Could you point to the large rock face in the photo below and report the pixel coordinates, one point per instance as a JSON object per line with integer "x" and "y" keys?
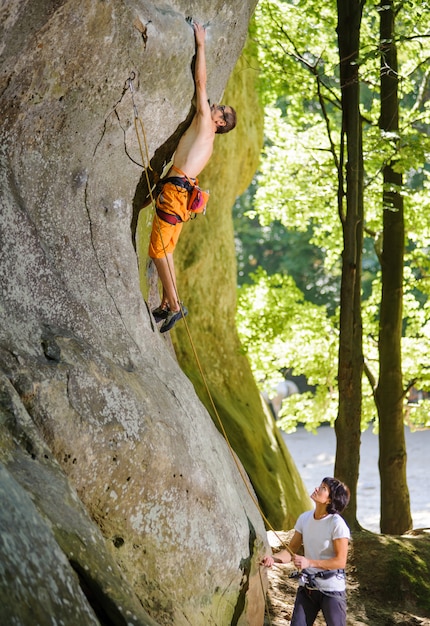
{"x": 120, "y": 498}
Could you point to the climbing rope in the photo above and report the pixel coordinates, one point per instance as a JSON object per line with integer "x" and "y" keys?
{"x": 138, "y": 124}
{"x": 266, "y": 604}
{"x": 147, "y": 166}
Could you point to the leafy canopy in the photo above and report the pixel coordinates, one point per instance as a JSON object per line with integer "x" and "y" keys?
{"x": 295, "y": 191}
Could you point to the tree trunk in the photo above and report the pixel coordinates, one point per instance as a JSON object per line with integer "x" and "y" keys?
{"x": 350, "y": 367}
{"x": 395, "y": 504}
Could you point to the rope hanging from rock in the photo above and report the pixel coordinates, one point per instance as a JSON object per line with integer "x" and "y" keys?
{"x": 139, "y": 124}
{"x": 147, "y": 166}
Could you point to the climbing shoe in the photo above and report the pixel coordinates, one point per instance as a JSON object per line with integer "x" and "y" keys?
{"x": 159, "y": 314}
{"x": 172, "y": 318}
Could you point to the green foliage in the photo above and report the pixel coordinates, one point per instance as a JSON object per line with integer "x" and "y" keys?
{"x": 295, "y": 192}
{"x": 281, "y": 329}
{"x": 277, "y": 249}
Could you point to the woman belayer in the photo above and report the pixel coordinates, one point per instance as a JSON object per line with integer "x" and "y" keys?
{"x": 324, "y": 535}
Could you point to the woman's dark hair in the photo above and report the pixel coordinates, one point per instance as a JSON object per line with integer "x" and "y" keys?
{"x": 229, "y": 115}
{"x": 339, "y": 495}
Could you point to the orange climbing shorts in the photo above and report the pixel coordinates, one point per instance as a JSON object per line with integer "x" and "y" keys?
{"x": 164, "y": 236}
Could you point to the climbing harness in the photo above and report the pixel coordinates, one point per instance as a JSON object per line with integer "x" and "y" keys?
{"x": 170, "y": 218}
{"x": 309, "y": 579}
{"x": 146, "y": 165}
{"x": 198, "y": 197}
{"x": 196, "y": 203}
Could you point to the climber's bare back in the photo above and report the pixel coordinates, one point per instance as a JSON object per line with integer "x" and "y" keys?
{"x": 196, "y": 145}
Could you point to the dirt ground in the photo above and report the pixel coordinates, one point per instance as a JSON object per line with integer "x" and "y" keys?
{"x": 388, "y": 582}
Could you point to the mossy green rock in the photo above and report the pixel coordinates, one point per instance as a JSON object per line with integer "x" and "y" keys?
{"x": 206, "y": 267}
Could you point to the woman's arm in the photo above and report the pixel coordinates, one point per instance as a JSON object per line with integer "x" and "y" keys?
{"x": 337, "y": 562}
{"x": 284, "y": 556}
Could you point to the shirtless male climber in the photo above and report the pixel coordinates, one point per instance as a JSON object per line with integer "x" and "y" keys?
{"x": 193, "y": 152}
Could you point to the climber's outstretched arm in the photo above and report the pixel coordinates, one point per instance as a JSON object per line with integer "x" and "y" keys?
{"x": 200, "y": 74}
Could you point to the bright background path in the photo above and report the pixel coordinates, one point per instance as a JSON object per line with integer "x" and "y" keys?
{"x": 314, "y": 456}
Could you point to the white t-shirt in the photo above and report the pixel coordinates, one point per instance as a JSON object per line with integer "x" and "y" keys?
{"x": 317, "y": 536}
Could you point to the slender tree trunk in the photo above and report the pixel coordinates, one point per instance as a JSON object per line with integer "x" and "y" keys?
{"x": 395, "y": 504}
{"x": 350, "y": 367}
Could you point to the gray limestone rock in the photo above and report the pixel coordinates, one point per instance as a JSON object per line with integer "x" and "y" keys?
{"x": 120, "y": 492}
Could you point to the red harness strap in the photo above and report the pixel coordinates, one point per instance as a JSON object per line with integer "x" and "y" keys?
{"x": 170, "y": 218}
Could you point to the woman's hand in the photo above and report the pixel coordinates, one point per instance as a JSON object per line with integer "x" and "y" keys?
{"x": 301, "y": 562}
